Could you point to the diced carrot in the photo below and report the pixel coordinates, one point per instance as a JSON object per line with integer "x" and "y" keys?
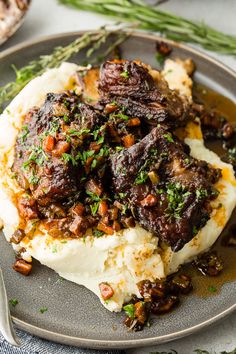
{"x": 61, "y": 148}
{"x": 78, "y": 209}
{"x": 128, "y": 140}
{"x": 106, "y": 291}
{"x": 49, "y": 143}
{"x": 109, "y": 108}
{"x": 116, "y": 225}
{"x": 21, "y": 266}
{"x": 149, "y": 201}
{"x": 88, "y": 164}
{"x": 103, "y": 208}
{"x": 94, "y": 146}
{"x": 134, "y": 122}
{"x": 107, "y": 229}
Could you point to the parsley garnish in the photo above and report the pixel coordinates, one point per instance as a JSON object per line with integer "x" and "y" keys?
{"x": 24, "y": 134}
{"x": 43, "y": 309}
{"x": 129, "y": 310}
{"x": 98, "y": 233}
{"x": 13, "y": 302}
{"x": 212, "y": 289}
{"x": 96, "y": 199}
{"x": 176, "y": 196}
{"x": 37, "y": 156}
{"x": 201, "y": 193}
{"x": 33, "y": 179}
{"x": 141, "y": 178}
{"x": 74, "y": 132}
{"x": 54, "y": 249}
{"x": 121, "y": 116}
{"x": 125, "y": 74}
{"x": 69, "y": 158}
{"x": 160, "y": 58}
{"x": 168, "y": 137}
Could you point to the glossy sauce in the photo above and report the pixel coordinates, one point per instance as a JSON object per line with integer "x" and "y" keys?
{"x": 205, "y": 285}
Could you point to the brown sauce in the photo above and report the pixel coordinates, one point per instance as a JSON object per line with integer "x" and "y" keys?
{"x": 205, "y": 285}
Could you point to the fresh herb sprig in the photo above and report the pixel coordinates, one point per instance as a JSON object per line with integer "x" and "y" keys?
{"x": 152, "y": 18}
{"x": 91, "y": 40}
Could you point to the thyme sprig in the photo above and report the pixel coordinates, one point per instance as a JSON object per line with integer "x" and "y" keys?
{"x": 152, "y": 18}
{"x": 91, "y": 40}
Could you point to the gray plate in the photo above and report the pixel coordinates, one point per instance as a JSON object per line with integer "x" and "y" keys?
{"x": 75, "y": 316}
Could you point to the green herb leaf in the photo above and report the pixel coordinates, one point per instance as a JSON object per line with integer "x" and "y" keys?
{"x": 13, "y": 302}
{"x": 160, "y": 58}
{"x": 129, "y": 310}
{"x": 141, "y": 178}
{"x": 69, "y": 158}
{"x": 43, "y": 309}
{"x": 98, "y": 233}
{"x": 93, "y": 40}
{"x": 125, "y": 74}
{"x": 212, "y": 289}
{"x": 152, "y": 18}
{"x": 168, "y": 137}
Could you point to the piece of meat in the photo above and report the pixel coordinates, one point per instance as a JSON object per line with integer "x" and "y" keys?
{"x": 46, "y": 160}
{"x": 134, "y": 90}
{"x": 167, "y": 190}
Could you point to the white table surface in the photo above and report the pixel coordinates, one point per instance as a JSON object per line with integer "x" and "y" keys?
{"x": 47, "y": 17}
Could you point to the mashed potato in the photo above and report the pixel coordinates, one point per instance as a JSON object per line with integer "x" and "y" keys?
{"x": 128, "y": 256}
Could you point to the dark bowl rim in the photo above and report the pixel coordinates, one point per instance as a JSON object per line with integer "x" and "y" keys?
{"x": 114, "y": 344}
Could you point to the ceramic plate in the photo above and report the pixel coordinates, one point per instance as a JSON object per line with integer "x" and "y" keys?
{"x": 75, "y": 315}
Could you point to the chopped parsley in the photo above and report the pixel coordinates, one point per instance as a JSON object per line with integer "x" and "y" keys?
{"x": 212, "y": 289}
{"x": 66, "y": 119}
{"x": 83, "y": 156}
{"x": 33, "y": 179}
{"x": 98, "y": 233}
{"x": 160, "y": 58}
{"x": 129, "y": 310}
{"x": 168, "y": 137}
{"x": 121, "y": 195}
{"x": 43, "y": 309}
{"x": 201, "y": 194}
{"x": 13, "y": 302}
{"x": 69, "y": 158}
{"x": 74, "y": 132}
{"x": 37, "y": 156}
{"x": 96, "y": 200}
{"x": 54, "y": 249}
{"x": 176, "y": 196}
{"x": 25, "y": 133}
{"x": 125, "y": 74}
{"x": 141, "y": 177}
{"x": 94, "y": 208}
{"x": 121, "y": 116}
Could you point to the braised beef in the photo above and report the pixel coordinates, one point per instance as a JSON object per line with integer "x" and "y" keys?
{"x": 133, "y": 89}
{"x": 48, "y": 167}
{"x": 103, "y": 167}
{"x": 174, "y": 206}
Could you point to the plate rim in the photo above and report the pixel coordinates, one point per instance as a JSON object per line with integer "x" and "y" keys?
{"x": 122, "y": 344}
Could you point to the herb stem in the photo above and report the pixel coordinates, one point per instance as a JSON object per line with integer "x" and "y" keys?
{"x": 91, "y": 40}
{"x": 152, "y": 18}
